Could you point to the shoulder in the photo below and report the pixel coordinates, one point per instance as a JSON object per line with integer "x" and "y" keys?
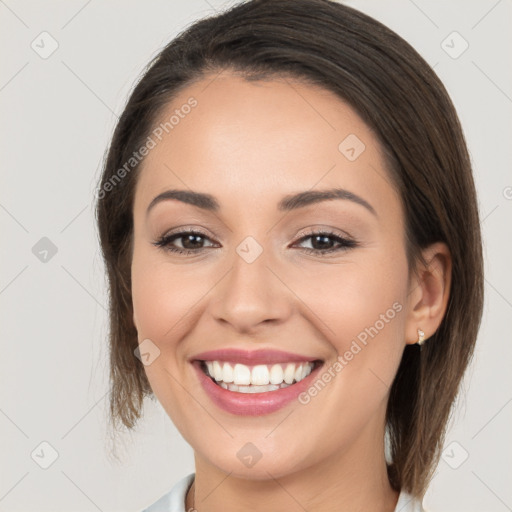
{"x": 408, "y": 503}
{"x": 174, "y": 500}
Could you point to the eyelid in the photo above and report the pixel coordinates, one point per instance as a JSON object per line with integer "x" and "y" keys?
{"x": 323, "y": 229}
{"x": 187, "y": 229}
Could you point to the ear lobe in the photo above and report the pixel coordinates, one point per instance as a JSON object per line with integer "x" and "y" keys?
{"x": 429, "y": 292}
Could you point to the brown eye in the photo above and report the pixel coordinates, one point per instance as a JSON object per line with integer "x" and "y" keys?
{"x": 191, "y": 242}
{"x": 322, "y": 243}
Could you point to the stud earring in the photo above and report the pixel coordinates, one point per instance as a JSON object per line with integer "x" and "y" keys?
{"x": 421, "y": 337}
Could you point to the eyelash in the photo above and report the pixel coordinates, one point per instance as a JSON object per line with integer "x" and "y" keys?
{"x": 165, "y": 241}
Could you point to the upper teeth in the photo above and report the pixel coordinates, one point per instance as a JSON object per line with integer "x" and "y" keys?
{"x": 259, "y": 375}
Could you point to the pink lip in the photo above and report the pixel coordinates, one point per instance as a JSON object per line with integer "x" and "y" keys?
{"x": 252, "y": 404}
{"x": 251, "y": 357}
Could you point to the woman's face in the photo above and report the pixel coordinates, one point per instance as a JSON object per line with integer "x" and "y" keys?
{"x": 256, "y": 281}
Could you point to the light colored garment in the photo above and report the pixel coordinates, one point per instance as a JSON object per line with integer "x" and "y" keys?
{"x": 174, "y": 500}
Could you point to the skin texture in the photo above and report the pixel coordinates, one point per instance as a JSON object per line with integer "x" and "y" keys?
{"x": 249, "y": 144}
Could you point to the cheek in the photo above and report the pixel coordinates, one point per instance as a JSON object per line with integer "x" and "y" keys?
{"x": 360, "y": 307}
{"x": 359, "y": 298}
{"x": 159, "y": 305}
{"x": 162, "y": 295}
{"x": 162, "y": 300}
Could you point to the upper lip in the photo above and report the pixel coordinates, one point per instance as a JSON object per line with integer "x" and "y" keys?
{"x": 251, "y": 357}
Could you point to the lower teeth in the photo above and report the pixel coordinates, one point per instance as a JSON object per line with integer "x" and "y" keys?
{"x": 252, "y": 388}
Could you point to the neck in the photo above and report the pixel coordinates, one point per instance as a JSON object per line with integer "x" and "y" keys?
{"x": 354, "y": 479}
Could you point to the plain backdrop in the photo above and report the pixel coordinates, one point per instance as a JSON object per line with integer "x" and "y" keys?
{"x": 58, "y": 111}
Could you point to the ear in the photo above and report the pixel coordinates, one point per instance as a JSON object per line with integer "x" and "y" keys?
{"x": 429, "y": 291}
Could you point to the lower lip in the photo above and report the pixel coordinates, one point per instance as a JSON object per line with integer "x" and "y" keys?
{"x": 252, "y": 404}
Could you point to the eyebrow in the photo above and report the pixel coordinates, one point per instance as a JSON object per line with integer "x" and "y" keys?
{"x": 290, "y": 202}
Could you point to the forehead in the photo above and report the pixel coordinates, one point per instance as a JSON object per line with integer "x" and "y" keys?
{"x": 252, "y": 142}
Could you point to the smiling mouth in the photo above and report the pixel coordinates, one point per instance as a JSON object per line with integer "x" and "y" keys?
{"x": 260, "y": 378}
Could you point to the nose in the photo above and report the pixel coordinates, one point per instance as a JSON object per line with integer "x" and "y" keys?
{"x": 251, "y": 295}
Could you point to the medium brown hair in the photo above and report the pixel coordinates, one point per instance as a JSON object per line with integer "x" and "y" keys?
{"x": 399, "y": 96}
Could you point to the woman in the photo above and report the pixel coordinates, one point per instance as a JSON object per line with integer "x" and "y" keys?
{"x": 290, "y": 229}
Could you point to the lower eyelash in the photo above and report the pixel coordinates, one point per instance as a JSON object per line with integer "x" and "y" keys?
{"x": 165, "y": 243}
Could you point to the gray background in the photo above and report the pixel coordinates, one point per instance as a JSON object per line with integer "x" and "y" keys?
{"x": 57, "y": 116}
